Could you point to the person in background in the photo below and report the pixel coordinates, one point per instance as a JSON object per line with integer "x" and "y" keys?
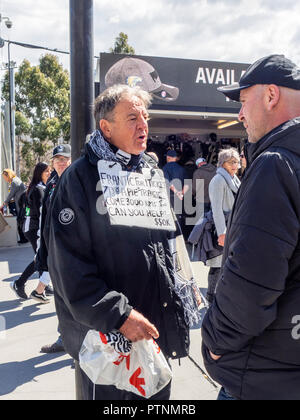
{"x": 175, "y": 175}
{"x": 243, "y": 162}
{"x": 34, "y": 198}
{"x": 222, "y": 192}
{"x": 16, "y": 190}
{"x": 61, "y": 160}
{"x": 250, "y": 335}
{"x": 201, "y": 179}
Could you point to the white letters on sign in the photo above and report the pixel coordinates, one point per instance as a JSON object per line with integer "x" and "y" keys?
{"x": 217, "y": 76}
{"x": 135, "y": 199}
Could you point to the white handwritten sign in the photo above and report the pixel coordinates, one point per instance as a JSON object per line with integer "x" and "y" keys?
{"x": 135, "y": 199}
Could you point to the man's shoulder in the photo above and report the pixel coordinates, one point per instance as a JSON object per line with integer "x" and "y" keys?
{"x": 80, "y": 168}
{"x": 278, "y": 158}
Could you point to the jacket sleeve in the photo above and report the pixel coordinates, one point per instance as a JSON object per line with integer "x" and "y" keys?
{"x": 13, "y": 190}
{"x": 71, "y": 259}
{"x": 167, "y": 174}
{"x": 216, "y": 196}
{"x": 35, "y": 201}
{"x": 41, "y": 263}
{"x": 263, "y": 235}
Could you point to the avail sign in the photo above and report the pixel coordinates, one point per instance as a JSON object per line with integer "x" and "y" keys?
{"x": 174, "y": 83}
{"x": 217, "y": 76}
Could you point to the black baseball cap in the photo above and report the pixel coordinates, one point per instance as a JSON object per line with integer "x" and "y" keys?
{"x": 62, "y": 150}
{"x": 135, "y": 72}
{"x": 274, "y": 69}
{"x": 172, "y": 153}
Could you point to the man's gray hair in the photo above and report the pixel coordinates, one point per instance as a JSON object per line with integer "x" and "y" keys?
{"x": 226, "y": 154}
{"x": 106, "y": 102}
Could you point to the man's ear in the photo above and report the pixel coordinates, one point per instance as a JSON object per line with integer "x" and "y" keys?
{"x": 273, "y": 96}
{"x": 105, "y": 128}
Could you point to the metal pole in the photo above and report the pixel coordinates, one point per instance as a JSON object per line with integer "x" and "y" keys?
{"x": 11, "y": 94}
{"x": 81, "y": 69}
{"x": 13, "y": 116}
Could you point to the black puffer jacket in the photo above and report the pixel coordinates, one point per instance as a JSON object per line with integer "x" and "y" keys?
{"x": 252, "y": 321}
{"x": 100, "y": 272}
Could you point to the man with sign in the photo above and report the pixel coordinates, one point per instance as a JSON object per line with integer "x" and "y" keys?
{"x": 111, "y": 258}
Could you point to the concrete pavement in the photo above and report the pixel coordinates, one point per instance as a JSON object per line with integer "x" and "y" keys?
{"x": 27, "y": 374}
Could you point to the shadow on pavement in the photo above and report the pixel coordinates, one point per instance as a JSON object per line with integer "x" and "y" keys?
{"x": 21, "y": 316}
{"x": 17, "y": 258}
{"x": 15, "y": 374}
{"x": 34, "y": 276}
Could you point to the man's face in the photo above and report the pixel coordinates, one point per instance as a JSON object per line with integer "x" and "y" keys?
{"x": 128, "y": 129}
{"x": 253, "y": 113}
{"x": 60, "y": 163}
{"x": 171, "y": 159}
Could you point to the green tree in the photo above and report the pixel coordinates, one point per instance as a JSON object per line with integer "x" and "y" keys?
{"x": 121, "y": 45}
{"x": 42, "y": 99}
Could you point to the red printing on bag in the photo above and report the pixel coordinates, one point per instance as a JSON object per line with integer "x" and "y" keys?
{"x": 137, "y": 382}
{"x": 120, "y": 360}
{"x": 156, "y": 346}
{"x": 134, "y": 379}
{"x": 103, "y": 337}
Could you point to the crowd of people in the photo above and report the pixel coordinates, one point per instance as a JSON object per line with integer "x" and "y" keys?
{"x": 114, "y": 272}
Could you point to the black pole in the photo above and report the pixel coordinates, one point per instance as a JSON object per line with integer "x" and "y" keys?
{"x": 81, "y": 69}
{"x": 10, "y": 110}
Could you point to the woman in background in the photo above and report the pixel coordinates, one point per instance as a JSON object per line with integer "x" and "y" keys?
{"x": 16, "y": 190}
{"x": 34, "y": 198}
{"x": 222, "y": 191}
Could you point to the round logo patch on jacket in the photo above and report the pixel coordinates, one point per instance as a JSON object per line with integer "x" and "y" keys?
{"x": 66, "y": 216}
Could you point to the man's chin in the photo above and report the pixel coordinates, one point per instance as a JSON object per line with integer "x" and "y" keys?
{"x": 139, "y": 150}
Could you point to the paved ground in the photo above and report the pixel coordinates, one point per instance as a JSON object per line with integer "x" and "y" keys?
{"x": 27, "y": 374}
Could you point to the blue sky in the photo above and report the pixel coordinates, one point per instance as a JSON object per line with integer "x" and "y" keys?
{"x": 221, "y": 30}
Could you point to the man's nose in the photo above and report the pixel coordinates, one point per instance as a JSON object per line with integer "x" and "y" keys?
{"x": 143, "y": 122}
{"x": 241, "y": 115}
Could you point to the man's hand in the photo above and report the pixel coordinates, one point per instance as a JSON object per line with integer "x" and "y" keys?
{"x": 221, "y": 240}
{"x": 214, "y": 356}
{"x": 137, "y": 327}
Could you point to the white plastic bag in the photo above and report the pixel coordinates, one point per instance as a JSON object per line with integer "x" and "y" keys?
{"x": 111, "y": 359}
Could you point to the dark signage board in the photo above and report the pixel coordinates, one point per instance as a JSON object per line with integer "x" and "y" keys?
{"x": 176, "y": 84}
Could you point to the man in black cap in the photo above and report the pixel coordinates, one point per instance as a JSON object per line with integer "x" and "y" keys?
{"x": 251, "y": 344}
{"x": 61, "y": 160}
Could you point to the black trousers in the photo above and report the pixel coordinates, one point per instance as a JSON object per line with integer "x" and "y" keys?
{"x": 86, "y": 390}
{"x": 32, "y": 237}
{"x": 213, "y": 278}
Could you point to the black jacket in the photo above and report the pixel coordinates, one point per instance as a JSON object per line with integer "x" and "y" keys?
{"x": 100, "y": 272}
{"x": 33, "y": 208}
{"x": 252, "y": 320}
{"x": 41, "y": 263}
